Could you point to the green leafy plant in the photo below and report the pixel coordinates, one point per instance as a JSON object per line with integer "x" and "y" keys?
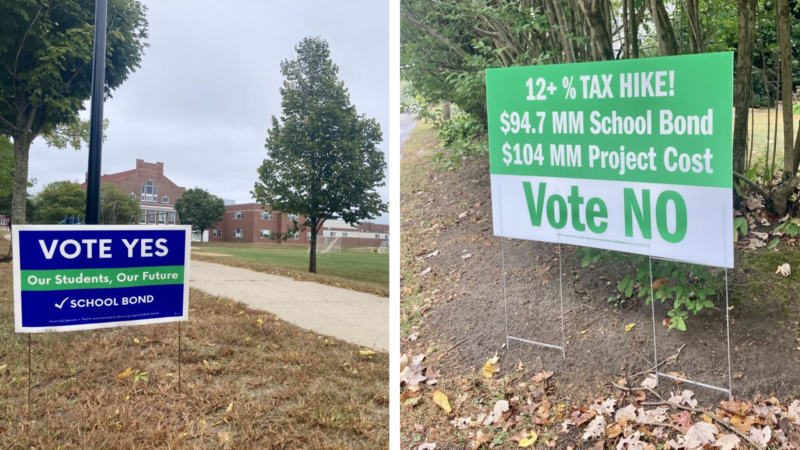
{"x": 739, "y": 226}
{"x": 790, "y": 227}
{"x": 140, "y": 376}
{"x": 687, "y": 287}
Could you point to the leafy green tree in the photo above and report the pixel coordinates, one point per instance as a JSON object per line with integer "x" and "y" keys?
{"x": 46, "y": 49}
{"x": 322, "y": 156}
{"x": 117, "y": 205}
{"x": 58, "y": 200}
{"x": 200, "y": 209}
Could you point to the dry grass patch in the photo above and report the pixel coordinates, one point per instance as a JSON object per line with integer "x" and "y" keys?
{"x": 248, "y": 380}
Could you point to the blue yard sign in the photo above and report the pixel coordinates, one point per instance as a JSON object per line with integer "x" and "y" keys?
{"x": 70, "y": 277}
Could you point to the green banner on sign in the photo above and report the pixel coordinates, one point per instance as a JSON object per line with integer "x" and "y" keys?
{"x": 630, "y": 155}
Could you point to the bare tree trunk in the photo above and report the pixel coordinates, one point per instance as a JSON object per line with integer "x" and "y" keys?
{"x": 634, "y": 22}
{"x": 593, "y": 11}
{"x": 785, "y": 44}
{"x": 777, "y": 96}
{"x": 667, "y": 45}
{"x": 312, "y": 254}
{"x": 766, "y": 90}
{"x": 693, "y": 16}
{"x": 744, "y": 81}
{"x": 19, "y": 195}
{"x": 564, "y": 30}
{"x": 446, "y": 111}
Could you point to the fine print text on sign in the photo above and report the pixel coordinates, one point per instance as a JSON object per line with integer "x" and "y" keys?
{"x": 631, "y": 155}
{"x": 69, "y": 277}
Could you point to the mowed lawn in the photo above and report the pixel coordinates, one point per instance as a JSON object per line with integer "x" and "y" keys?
{"x": 354, "y": 268}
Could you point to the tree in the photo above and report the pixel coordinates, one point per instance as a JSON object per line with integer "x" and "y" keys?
{"x": 785, "y": 44}
{"x": 58, "y": 200}
{"x": 744, "y": 80}
{"x": 200, "y": 209}
{"x": 117, "y": 205}
{"x": 46, "y": 49}
{"x": 322, "y": 156}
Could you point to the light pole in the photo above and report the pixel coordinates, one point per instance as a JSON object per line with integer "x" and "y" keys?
{"x": 96, "y": 119}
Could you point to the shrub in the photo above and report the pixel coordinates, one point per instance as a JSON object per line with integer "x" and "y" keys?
{"x": 688, "y": 287}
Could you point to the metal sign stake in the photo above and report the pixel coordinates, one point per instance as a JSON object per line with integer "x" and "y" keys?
{"x": 658, "y": 374}
{"x": 509, "y": 338}
{"x": 29, "y": 373}
{"x": 179, "y": 360}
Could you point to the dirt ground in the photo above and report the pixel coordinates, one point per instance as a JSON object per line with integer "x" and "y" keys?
{"x": 467, "y": 316}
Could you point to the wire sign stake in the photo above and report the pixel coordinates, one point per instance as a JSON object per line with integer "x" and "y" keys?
{"x": 658, "y": 374}
{"x": 509, "y": 338}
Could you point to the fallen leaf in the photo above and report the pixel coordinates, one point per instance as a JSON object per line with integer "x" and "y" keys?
{"x": 683, "y": 420}
{"x": 650, "y": 382}
{"x": 466, "y": 256}
{"x": 541, "y": 376}
{"x": 440, "y": 398}
{"x": 427, "y": 446}
{"x": 366, "y": 352}
{"x": 784, "y": 270}
{"x": 530, "y": 440}
{"x": 230, "y": 407}
{"x": 595, "y": 428}
{"x": 425, "y": 272}
{"x": 630, "y": 326}
{"x": 727, "y": 442}
{"x": 762, "y": 436}
{"x": 499, "y": 408}
{"x": 700, "y": 434}
{"x": 429, "y": 255}
{"x": 126, "y": 373}
{"x": 489, "y": 368}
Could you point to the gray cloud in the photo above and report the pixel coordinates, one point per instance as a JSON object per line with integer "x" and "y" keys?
{"x": 209, "y": 82}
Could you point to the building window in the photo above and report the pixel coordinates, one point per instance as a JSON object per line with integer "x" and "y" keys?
{"x": 266, "y": 215}
{"x": 265, "y": 234}
{"x": 333, "y": 234}
{"x": 161, "y": 218}
{"x": 377, "y": 236}
{"x": 380, "y": 230}
{"x": 165, "y": 199}
{"x": 238, "y": 214}
{"x": 295, "y": 236}
{"x": 308, "y": 236}
{"x": 237, "y": 233}
{"x": 149, "y": 192}
{"x": 171, "y": 218}
{"x": 344, "y": 234}
{"x": 143, "y": 218}
{"x": 216, "y": 233}
{"x": 293, "y": 217}
{"x": 133, "y": 195}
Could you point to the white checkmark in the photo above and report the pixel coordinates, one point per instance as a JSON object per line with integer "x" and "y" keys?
{"x": 62, "y": 303}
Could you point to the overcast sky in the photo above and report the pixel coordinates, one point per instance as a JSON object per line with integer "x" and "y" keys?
{"x": 202, "y": 101}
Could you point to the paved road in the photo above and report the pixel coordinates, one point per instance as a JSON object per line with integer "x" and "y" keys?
{"x": 348, "y": 315}
{"x": 407, "y": 124}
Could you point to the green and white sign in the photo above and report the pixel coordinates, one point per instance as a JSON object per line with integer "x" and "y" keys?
{"x": 631, "y": 155}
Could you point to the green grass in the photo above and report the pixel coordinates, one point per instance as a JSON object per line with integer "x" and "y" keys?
{"x": 355, "y": 267}
{"x": 760, "y": 137}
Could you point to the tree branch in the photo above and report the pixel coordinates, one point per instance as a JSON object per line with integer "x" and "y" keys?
{"x": 22, "y": 44}
{"x": 407, "y": 16}
{"x": 8, "y": 124}
{"x": 753, "y": 184}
